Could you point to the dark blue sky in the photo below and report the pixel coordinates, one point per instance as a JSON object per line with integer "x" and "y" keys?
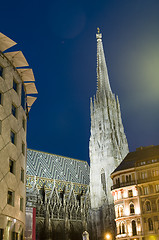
{"x": 58, "y": 41}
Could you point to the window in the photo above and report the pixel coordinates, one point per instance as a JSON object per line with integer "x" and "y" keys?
{"x": 157, "y": 187}
{"x": 118, "y": 181}
{"x": 1, "y": 98}
{"x": 15, "y": 85}
{"x": 22, "y": 175}
{"x": 130, "y": 193}
{"x": 119, "y": 228}
{"x": 1, "y": 233}
{"x": 155, "y": 172}
{"x": 11, "y": 166}
{"x": 23, "y": 123}
{"x": 148, "y": 206}
{"x": 121, "y": 211}
{"x": 128, "y": 178}
{"x": 23, "y": 98}
{"x": 143, "y": 175}
{"x": 146, "y": 190}
{"x": 134, "y": 232}
{"x": 14, "y": 236}
{"x": 150, "y": 224}
{"x": 21, "y": 204}
{"x": 23, "y": 148}
{"x": 1, "y": 71}
{"x": 132, "y": 210}
{"x": 10, "y": 198}
{"x": 116, "y": 211}
{"x": 158, "y": 207}
{"x": 103, "y": 181}
{"x": 14, "y": 110}
{"x": 13, "y": 137}
{"x": 21, "y": 235}
{"x": 123, "y": 228}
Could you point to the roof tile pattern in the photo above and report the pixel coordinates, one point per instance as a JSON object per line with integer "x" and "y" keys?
{"x": 57, "y": 167}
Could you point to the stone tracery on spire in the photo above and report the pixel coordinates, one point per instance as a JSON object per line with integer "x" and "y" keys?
{"x": 102, "y": 72}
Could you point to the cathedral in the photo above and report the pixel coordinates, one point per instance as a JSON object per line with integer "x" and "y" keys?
{"x": 65, "y": 196}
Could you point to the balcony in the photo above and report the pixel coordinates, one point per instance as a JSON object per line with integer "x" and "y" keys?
{"x": 124, "y": 184}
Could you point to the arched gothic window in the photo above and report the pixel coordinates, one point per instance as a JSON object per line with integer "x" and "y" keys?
{"x": 134, "y": 232}
{"x": 132, "y": 209}
{"x": 103, "y": 180}
{"x": 148, "y": 206}
{"x": 150, "y": 224}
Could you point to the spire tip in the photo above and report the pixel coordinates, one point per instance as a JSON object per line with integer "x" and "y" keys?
{"x": 98, "y": 35}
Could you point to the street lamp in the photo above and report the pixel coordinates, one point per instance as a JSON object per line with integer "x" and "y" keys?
{"x": 108, "y": 236}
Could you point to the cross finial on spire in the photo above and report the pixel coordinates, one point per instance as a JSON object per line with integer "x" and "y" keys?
{"x": 98, "y": 35}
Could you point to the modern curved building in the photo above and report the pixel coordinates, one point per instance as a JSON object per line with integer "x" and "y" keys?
{"x": 16, "y": 85}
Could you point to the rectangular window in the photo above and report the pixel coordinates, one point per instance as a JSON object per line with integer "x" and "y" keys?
{"x": 157, "y": 187}
{"x": 23, "y": 98}
{"x": 130, "y": 193}
{"x": 12, "y": 166}
{"x": 1, "y": 71}
{"x": 22, "y": 175}
{"x": 23, "y": 148}
{"x": 13, "y": 137}
{"x": 155, "y": 172}
{"x": 146, "y": 191}
{"x": 14, "y": 236}
{"x": 24, "y": 123}
{"x": 128, "y": 178}
{"x": 14, "y": 110}
{"x": 21, "y": 204}
{"x": 1, "y": 233}
{"x": 15, "y": 85}
{"x": 10, "y": 198}
{"x": 143, "y": 175}
{"x": 0, "y": 98}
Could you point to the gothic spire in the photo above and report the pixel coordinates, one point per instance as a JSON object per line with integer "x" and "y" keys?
{"x": 102, "y": 72}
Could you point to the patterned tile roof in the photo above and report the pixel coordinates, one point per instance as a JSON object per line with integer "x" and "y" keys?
{"x": 46, "y": 165}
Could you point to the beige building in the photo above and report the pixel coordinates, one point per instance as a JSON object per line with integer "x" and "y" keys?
{"x": 136, "y": 195}
{"x": 15, "y": 84}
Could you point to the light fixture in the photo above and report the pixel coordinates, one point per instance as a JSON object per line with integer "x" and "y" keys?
{"x": 108, "y": 236}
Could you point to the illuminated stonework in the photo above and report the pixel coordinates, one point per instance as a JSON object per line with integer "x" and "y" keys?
{"x": 136, "y": 194}
{"x": 107, "y": 147}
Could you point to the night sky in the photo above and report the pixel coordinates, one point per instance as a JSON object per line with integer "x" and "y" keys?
{"x": 59, "y": 43}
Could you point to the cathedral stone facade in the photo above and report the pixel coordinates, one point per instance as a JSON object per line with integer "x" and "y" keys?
{"x": 67, "y": 201}
{"x": 108, "y": 146}
{"x": 58, "y": 188}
